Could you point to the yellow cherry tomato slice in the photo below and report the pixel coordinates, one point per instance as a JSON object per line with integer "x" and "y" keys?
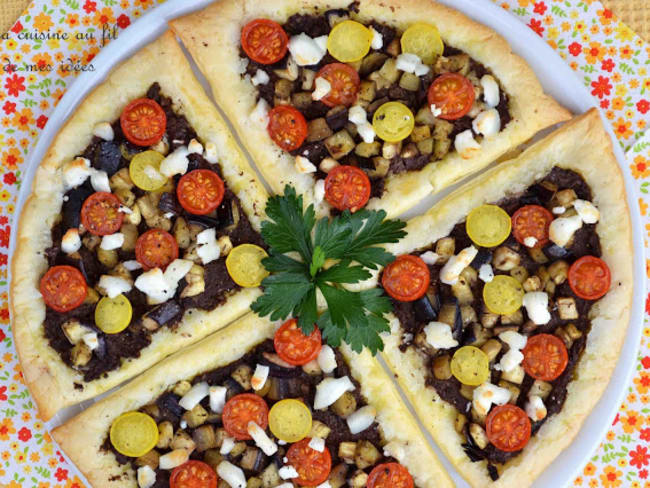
{"x": 470, "y": 366}
{"x": 244, "y": 264}
{"x": 393, "y": 121}
{"x": 113, "y": 315}
{"x": 424, "y": 40}
{"x": 349, "y": 41}
{"x": 290, "y": 420}
{"x": 503, "y": 295}
{"x": 488, "y": 225}
{"x": 144, "y": 170}
{"x": 134, "y": 434}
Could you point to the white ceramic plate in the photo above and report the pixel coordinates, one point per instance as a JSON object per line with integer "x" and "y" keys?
{"x": 558, "y": 80}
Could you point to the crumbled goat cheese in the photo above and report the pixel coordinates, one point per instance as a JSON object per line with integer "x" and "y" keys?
{"x": 207, "y": 247}
{"x": 487, "y": 394}
{"x": 114, "y": 285}
{"x": 195, "y": 394}
{"x": 307, "y": 51}
{"x": 536, "y": 305}
{"x": 175, "y": 163}
{"x": 103, "y": 130}
{"x": 260, "y": 376}
{"x": 438, "y": 335}
{"x": 71, "y": 242}
{"x": 322, "y": 88}
{"x": 487, "y": 123}
{"x": 587, "y": 211}
{"x": 217, "y": 398}
{"x": 562, "y": 229}
{"x": 490, "y": 90}
{"x": 112, "y": 241}
{"x": 486, "y": 273}
{"x": 465, "y": 144}
{"x": 260, "y": 114}
{"x": 326, "y": 359}
{"x": 263, "y": 441}
{"x": 429, "y": 257}
{"x": 535, "y": 408}
{"x": 456, "y": 264}
{"x": 210, "y": 153}
{"x": 75, "y": 173}
{"x": 377, "y": 39}
{"x": 329, "y": 390}
{"x": 361, "y": 419}
{"x": 260, "y": 78}
{"x": 231, "y": 474}
{"x": 303, "y": 165}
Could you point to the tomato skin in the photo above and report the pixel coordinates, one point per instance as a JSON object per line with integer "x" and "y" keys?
{"x": 407, "y": 278}
{"x": 241, "y": 409}
{"x": 293, "y": 346}
{"x": 143, "y": 122}
{"x": 347, "y": 188}
{"x": 100, "y": 214}
{"x": 200, "y": 191}
{"x": 287, "y": 127}
{"x": 389, "y": 475}
{"x": 264, "y": 41}
{"x": 590, "y": 278}
{"x": 313, "y": 467}
{"x": 156, "y": 248}
{"x": 345, "y": 82}
{"x": 63, "y": 288}
{"x": 508, "y": 428}
{"x": 453, "y": 94}
{"x": 193, "y": 474}
{"x": 545, "y": 357}
{"x": 532, "y": 221}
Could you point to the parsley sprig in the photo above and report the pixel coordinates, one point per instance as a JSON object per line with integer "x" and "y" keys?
{"x": 306, "y": 255}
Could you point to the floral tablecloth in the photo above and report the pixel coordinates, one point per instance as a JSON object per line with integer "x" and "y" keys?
{"x": 606, "y": 55}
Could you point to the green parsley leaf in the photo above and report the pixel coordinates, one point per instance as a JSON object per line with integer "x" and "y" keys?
{"x": 352, "y": 242}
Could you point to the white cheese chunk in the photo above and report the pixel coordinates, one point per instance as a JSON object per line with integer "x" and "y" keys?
{"x": 263, "y": 441}
{"x": 361, "y": 419}
{"x": 195, "y": 147}
{"x": 395, "y": 449}
{"x": 177, "y": 269}
{"x": 114, "y": 285}
{"x": 536, "y": 304}
{"x": 421, "y": 69}
{"x": 326, "y": 359}
{"x": 125, "y": 210}
{"x": 91, "y": 340}
{"x": 407, "y": 62}
{"x": 175, "y": 163}
{"x": 260, "y": 78}
{"x": 231, "y": 474}
{"x": 260, "y": 114}
{"x": 305, "y": 50}
{"x": 71, "y": 242}
{"x": 112, "y": 241}
{"x": 192, "y": 398}
{"x": 429, "y": 257}
{"x": 490, "y": 90}
{"x": 153, "y": 284}
{"x": 260, "y": 376}
{"x": 99, "y": 180}
{"x": 217, "y": 398}
{"x": 559, "y": 210}
{"x": 515, "y": 340}
{"x": 210, "y": 153}
{"x": 227, "y": 445}
{"x": 183, "y": 424}
{"x": 288, "y": 472}
{"x": 207, "y": 247}
{"x": 132, "y": 265}
{"x": 535, "y": 408}
{"x": 321, "y": 42}
{"x": 317, "y": 444}
{"x": 319, "y": 191}
{"x": 562, "y": 229}
{"x": 173, "y": 459}
{"x": 367, "y": 132}
{"x": 435, "y": 110}
{"x": 304, "y": 165}
{"x": 103, "y": 130}
{"x": 146, "y": 477}
{"x": 509, "y": 361}
{"x": 357, "y": 115}
{"x": 487, "y": 123}
{"x": 438, "y": 335}
{"x": 488, "y": 394}
{"x": 486, "y": 273}
{"x": 322, "y": 88}
{"x": 587, "y": 211}
{"x": 75, "y": 173}
{"x": 530, "y": 241}
{"x": 377, "y": 39}
{"x": 329, "y": 390}
{"x": 456, "y": 264}
{"x": 466, "y": 145}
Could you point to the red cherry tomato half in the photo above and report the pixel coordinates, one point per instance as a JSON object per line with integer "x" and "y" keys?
{"x": 240, "y": 410}
{"x": 508, "y": 428}
{"x": 389, "y": 475}
{"x": 193, "y": 474}
{"x": 143, "y": 122}
{"x": 545, "y": 357}
{"x": 63, "y": 288}
{"x": 293, "y": 346}
{"x": 313, "y": 467}
{"x": 287, "y": 127}
{"x": 344, "y": 81}
{"x": 532, "y": 221}
{"x": 200, "y": 191}
{"x": 453, "y": 94}
{"x": 347, "y": 188}
{"x": 264, "y": 41}
{"x": 100, "y": 214}
{"x": 156, "y": 248}
{"x": 406, "y": 279}
{"x": 589, "y": 277}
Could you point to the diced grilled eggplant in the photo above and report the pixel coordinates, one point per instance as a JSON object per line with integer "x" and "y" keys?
{"x": 359, "y": 479}
{"x": 337, "y": 117}
{"x": 483, "y": 256}
{"x": 166, "y": 313}
{"x": 107, "y": 157}
{"x": 271, "y": 477}
{"x": 165, "y": 434}
{"x": 478, "y": 435}
{"x": 149, "y": 459}
{"x": 227, "y": 214}
{"x": 195, "y": 417}
{"x": 544, "y": 190}
{"x": 339, "y": 144}
{"x": 347, "y": 451}
{"x": 279, "y": 368}
{"x": 345, "y": 404}
{"x": 442, "y": 367}
{"x": 169, "y": 402}
{"x": 338, "y": 475}
{"x": 72, "y": 206}
{"x": 233, "y": 387}
{"x": 253, "y": 482}
{"x": 182, "y": 387}
{"x": 553, "y": 251}
{"x": 319, "y": 429}
{"x": 80, "y": 355}
{"x": 242, "y": 375}
{"x": 317, "y": 130}
{"x": 424, "y": 310}
{"x": 505, "y": 259}
{"x": 253, "y": 459}
{"x": 169, "y": 204}
{"x": 337, "y": 15}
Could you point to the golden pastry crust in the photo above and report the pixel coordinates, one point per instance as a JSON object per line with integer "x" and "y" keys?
{"x": 82, "y": 437}
{"x": 581, "y": 145}
{"x": 50, "y": 380}
{"x": 213, "y": 38}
